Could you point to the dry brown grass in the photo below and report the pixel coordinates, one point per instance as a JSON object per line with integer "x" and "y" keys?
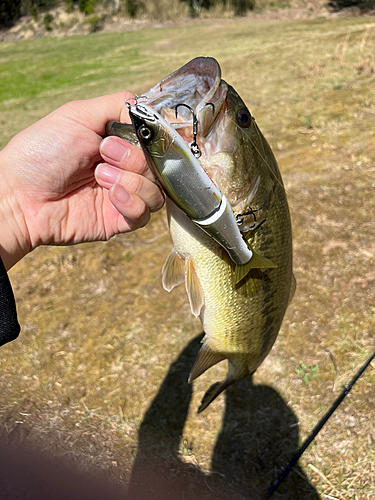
{"x": 99, "y": 372}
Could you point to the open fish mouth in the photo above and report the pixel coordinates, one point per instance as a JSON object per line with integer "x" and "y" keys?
{"x": 194, "y": 100}
{"x": 196, "y": 84}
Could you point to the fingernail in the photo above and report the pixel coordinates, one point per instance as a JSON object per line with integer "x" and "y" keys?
{"x": 113, "y": 149}
{"x": 120, "y": 194}
{"x": 107, "y": 174}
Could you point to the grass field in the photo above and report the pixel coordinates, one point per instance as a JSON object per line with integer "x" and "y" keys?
{"x": 99, "y": 372}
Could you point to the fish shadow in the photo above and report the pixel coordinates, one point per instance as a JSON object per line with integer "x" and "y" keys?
{"x": 259, "y": 436}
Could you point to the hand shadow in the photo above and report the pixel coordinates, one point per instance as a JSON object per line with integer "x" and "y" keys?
{"x": 259, "y": 435}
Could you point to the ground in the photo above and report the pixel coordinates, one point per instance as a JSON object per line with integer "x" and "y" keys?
{"x": 98, "y": 375}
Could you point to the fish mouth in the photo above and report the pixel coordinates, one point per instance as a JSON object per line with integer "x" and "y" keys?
{"x": 198, "y": 85}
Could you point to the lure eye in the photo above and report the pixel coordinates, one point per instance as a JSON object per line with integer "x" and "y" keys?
{"x": 244, "y": 118}
{"x": 145, "y": 133}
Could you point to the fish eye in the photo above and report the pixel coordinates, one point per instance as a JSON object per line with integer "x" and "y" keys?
{"x": 145, "y": 133}
{"x": 244, "y": 118}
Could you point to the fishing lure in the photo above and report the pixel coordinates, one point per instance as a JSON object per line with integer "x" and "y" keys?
{"x": 187, "y": 184}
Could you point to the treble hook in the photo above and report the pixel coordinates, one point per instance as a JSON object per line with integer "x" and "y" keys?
{"x": 213, "y": 107}
{"x": 193, "y": 146}
{"x": 251, "y": 211}
{"x": 136, "y": 99}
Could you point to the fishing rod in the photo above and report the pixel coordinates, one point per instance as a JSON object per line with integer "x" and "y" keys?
{"x": 316, "y": 430}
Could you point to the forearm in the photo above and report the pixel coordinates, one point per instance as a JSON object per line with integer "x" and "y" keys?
{"x": 13, "y": 229}
{"x": 12, "y": 248}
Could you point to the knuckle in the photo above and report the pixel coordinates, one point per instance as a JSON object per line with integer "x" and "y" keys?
{"x": 68, "y": 106}
{"x": 141, "y": 216}
{"x": 158, "y": 201}
{"x": 135, "y": 184}
{"x": 145, "y": 220}
{"x": 138, "y": 210}
{"x": 137, "y": 161}
{"x": 143, "y": 167}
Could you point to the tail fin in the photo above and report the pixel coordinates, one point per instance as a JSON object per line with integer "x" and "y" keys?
{"x": 256, "y": 262}
{"x": 214, "y": 391}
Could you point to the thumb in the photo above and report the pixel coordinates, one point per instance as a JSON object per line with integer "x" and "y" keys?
{"x": 97, "y": 112}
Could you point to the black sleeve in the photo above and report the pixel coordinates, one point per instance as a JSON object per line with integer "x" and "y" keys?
{"x": 9, "y": 326}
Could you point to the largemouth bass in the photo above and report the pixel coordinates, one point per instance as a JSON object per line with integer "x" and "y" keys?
{"x": 240, "y": 318}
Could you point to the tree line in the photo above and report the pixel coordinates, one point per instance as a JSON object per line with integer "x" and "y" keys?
{"x": 11, "y": 10}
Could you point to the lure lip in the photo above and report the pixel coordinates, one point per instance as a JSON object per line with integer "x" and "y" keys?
{"x": 144, "y": 117}
{"x": 142, "y": 112}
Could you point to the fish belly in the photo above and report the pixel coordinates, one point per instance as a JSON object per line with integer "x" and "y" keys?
{"x": 233, "y": 316}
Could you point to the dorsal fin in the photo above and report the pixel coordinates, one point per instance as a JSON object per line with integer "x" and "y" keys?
{"x": 193, "y": 287}
{"x": 173, "y": 272}
{"x": 206, "y": 358}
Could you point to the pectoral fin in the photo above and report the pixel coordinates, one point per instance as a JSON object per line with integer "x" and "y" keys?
{"x": 173, "y": 272}
{"x": 256, "y": 262}
{"x": 193, "y": 288}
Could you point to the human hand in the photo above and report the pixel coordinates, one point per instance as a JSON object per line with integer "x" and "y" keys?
{"x": 54, "y": 190}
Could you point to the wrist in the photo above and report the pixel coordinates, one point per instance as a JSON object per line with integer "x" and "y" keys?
{"x": 14, "y": 241}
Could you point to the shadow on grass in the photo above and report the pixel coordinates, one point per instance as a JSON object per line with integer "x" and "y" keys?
{"x": 259, "y": 435}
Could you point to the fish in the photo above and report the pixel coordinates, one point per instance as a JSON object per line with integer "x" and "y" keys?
{"x": 241, "y": 315}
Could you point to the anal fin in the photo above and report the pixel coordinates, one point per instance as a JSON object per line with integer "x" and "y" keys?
{"x": 193, "y": 288}
{"x": 206, "y": 358}
{"x": 173, "y": 272}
